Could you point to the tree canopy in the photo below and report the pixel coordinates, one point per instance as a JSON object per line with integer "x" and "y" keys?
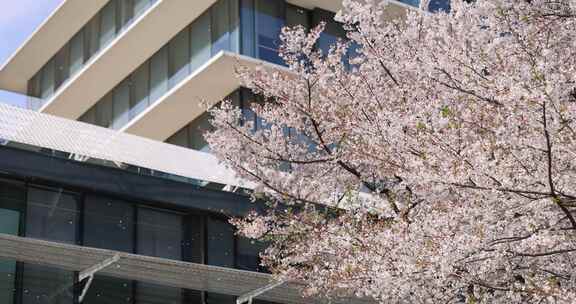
{"x": 443, "y": 145}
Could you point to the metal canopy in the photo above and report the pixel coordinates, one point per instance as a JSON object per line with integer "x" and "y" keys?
{"x": 154, "y": 270}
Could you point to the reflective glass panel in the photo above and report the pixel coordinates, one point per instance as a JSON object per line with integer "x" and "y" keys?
{"x": 109, "y": 290}
{"x": 179, "y": 57}
{"x": 200, "y": 41}
{"x": 108, "y": 23}
{"x": 439, "y": 5}
{"x": 220, "y": 243}
{"x": 269, "y": 23}
{"x": 158, "y": 74}
{"x": 121, "y": 104}
{"x": 140, "y": 84}
{"x": 108, "y": 224}
{"x": 47, "y": 80}
{"x": 76, "y": 53}
{"x": 41, "y": 284}
{"x": 52, "y": 215}
{"x": 159, "y": 233}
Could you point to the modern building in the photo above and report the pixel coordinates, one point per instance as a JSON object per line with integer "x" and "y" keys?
{"x": 108, "y": 193}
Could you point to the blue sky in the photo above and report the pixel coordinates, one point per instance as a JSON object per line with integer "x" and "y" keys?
{"x": 18, "y": 19}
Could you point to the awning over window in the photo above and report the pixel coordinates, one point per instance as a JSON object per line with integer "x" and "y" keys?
{"x": 153, "y": 270}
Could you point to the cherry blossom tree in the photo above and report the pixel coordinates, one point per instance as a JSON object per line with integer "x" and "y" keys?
{"x": 423, "y": 160}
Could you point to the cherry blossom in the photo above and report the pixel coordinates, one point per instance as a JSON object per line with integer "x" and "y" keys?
{"x": 424, "y": 160}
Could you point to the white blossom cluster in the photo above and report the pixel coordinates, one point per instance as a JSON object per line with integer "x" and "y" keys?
{"x": 426, "y": 160}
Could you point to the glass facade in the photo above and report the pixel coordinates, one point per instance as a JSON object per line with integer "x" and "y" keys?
{"x": 192, "y": 135}
{"x": 99, "y": 32}
{"x": 249, "y": 27}
{"x": 96, "y": 220}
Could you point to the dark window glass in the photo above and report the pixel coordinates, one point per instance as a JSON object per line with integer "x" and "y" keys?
{"x": 160, "y": 233}
{"x": 140, "y": 89}
{"x": 104, "y": 111}
{"x": 155, "y": 294}
{"x": 220, "y": 28}
{"x": 89, "y": 116}
{"x": 47, "y": 80}
{"x": 415, "y": 3}
{"x": 92, "y": 36}
{"x": 332, "y": 31}
{"x": 61, "y": 66}
{"x": 297, "y": 16}
{"x": 439, "y": 5}
{"x": 158, "y": 74}
{"x": 214, "y": 298}
{"x": 52, "y": 215}
{"x": 196, "y": 130}
{"x": 42, "y": 284}
{"x": 248, "y": 254}
{"x": 108, "y": 224}
{"x": 179, "y": 57}
{"x": 141, "y": 5}
{"x": 76, "y": 53}
{"x": 12, "y": 202}
{"x": 125, "y": 13}
{"x": 200, "y": 41}
{"x": 34, "y": 86}
{"x": 179, "y": 138}
{"x": 220, "y": 245}
{"x": 7, "y": 277}
{"x": 108, "y": 290}
{"x": 234, "y": 26}
{"x": 247, "y": 19}
{"x": 121, "y": 104}
{"x": 269, "y": 23}
{"x": 108, "y": 23}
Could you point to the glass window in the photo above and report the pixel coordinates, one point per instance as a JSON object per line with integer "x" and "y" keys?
{"x": 12, "y": 202}
{"x": 248, "y": 254}
{"x": 220, "y": 13}
{"x": 155, "y": 294}
{"x": 47, "y": 80}
{"x": 34, "y": 85}
{"x": 7, "y": 278}
{"x": 159, "y": 233}
{"x": 61, "y": 66}
{"x": 140, "y": 6}
{"x": 220, "y": 243}
{"x": 107, "y": 23}
{"x": 76, "y": 53}
{"x": 52, "y": 215}
{"x": 332, "y": 31}
{"x": 179, "y": 57}
{"x": 248, "y": 28}
{"x": 415, "y": 3}
{"x": 200, "y": 41}
{"x": 297, "y": 16}
{"x": 41, "y": 284}
{"x": 92, "y": 36}
{"x": 125, "y": 13}
{"x": 89, "y": 116}
{"x": 214, "y": 298}
{"x": 108, "y": 224}
{"x": 197, "y": 128}
{"x": 439, "y": 5}
{"x": 109, "y": 290}
{"x": 179, "y": 138}
{"x": 104, "y": 111}
{"x": 121, "y": 104}
{"x": 140, "y": 89}
{"x": 234, "y": 26}
{"x": 158, "y": 74}
{"x": 269, "y": 23}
